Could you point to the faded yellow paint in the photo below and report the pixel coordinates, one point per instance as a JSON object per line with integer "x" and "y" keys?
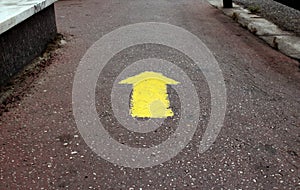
{"x": 150, "y": 98}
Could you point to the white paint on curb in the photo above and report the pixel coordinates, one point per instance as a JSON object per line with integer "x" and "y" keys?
{"x": 284, "y": 41}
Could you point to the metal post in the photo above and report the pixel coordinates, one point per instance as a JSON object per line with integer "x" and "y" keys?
{"x": 227, "y": 3}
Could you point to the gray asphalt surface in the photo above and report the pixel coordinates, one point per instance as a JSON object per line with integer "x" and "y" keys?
{"x": 257, "y": 148}
{"x": 283, "y": 16}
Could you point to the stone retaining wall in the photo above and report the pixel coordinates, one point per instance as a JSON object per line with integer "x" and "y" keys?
{"x": 26, "y": 40}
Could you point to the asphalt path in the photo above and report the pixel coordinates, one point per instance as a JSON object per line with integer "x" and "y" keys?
{"x": 257, "y": 147}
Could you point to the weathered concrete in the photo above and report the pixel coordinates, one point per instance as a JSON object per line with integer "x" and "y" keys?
{"x": 24, "y": 41}
{"x": 13, "y": 12}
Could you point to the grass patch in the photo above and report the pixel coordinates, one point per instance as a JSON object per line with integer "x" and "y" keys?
{"x": 253, "y": 9}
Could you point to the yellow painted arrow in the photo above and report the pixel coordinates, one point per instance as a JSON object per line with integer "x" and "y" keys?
{"x": 150, "y": 98}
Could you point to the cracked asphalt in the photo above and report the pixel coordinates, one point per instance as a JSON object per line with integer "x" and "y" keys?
{"x": 257, "y": 147}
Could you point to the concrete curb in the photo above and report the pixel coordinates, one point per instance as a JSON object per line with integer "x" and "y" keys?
{"x": 14, "y": 12}
{"x": 284, "y": 41}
